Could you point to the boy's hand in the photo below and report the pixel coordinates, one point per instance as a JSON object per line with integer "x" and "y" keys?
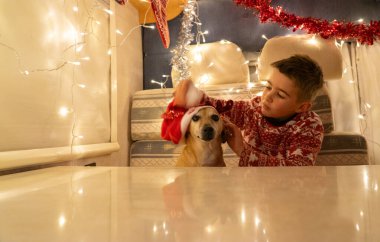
{"x": 235, "y": 138}
{"x": 180, "y": 93}
{"x": 187, "y": 95}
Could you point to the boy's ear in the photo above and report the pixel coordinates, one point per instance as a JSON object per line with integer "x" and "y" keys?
{"x": 305, "y": 106}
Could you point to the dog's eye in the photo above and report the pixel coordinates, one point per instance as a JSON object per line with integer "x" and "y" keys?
{"x": 215, "y": 117}
{"x": 195, "y": 118}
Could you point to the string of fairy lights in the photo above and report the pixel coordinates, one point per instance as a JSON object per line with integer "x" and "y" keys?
{"x": 78, "y": 36}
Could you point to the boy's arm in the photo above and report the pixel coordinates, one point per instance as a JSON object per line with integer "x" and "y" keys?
{"x": 301, "y": 150}
{"x": 187, "y": 95}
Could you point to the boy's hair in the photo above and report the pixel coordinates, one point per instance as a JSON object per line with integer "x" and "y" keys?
{"x": 305, "y": 72}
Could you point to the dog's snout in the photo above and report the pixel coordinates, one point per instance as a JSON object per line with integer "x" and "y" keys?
{"x": 208, "y": 133}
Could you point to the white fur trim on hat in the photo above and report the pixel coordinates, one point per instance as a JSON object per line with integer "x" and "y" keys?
{"x": 193, "y": 96}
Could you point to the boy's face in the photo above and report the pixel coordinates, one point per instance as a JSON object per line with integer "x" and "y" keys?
{"x": 279, "y": 99}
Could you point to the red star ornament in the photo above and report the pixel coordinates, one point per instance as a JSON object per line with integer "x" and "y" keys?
{"x": 159, "y": 10}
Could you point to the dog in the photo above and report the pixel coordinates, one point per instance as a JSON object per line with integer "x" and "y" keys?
{"x": 203, "y": 139}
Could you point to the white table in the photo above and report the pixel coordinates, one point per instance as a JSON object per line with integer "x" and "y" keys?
{"x": 195, "y": 204}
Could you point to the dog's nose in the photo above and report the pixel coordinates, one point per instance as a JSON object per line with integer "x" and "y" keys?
{"x": 207, "y": 133}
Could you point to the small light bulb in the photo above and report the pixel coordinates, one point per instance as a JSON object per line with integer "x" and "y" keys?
{"x": 257, "y": 221}
{"x": 204, "y": 79}
{"x": 79, "y": 48}
{"x": 108, "y": 11}
{"x": 198, "y": 57}
{"x": 223, "y": 41}
{"x": 209, "y": 229}
{"x": 80, "y": 191}
{"x": 76, "y": 63}
{"x": 62, "y": 221}
{"x": 312, "y": 41}
{"x": 64, "y": 111}
{"x": 148, "y": 26}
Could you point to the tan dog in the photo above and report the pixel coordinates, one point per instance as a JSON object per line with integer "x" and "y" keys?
{"x": 203, "y": 140}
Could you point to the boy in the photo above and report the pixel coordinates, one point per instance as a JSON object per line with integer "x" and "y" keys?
{"x": 278, "y": 128}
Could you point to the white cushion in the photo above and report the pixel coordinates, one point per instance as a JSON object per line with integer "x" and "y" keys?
{"x": 323, "y": 51}
{"x": 220, "y": 62}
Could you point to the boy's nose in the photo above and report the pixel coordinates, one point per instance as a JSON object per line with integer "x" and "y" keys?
{"x": 268, "y": 97}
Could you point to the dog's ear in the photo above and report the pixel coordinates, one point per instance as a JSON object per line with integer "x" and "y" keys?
{"x": 224, "y": 135}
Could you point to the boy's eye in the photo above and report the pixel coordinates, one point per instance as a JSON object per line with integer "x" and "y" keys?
{"x": 195, "y": 118}
{"x": 280, "y": 95}
{"x": 215, "y": 117}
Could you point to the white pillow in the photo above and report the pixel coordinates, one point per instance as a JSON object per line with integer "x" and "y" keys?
{"x": 323, "y": 51}
{"x": 214, "y": 63}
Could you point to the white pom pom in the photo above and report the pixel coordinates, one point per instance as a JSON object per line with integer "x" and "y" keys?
{"x": 193, "y": 96}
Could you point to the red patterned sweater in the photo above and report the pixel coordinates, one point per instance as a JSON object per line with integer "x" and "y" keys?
{"x": 295, "y": 143}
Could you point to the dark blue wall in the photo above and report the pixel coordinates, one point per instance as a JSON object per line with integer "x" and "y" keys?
{"x": 225, "y": 20}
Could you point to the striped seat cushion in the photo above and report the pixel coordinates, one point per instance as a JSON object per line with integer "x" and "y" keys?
{"x": 148, "y": 105}
{"x": 343, "y": 149}
{"x": 337, "y": 149}
{"x": 161, "y": 153}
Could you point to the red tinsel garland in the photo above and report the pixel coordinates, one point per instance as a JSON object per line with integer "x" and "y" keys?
{"x": 363, "y": 33}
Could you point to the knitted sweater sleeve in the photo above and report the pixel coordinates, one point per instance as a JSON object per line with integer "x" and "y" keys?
{"x": 301, "y": 147}
{"x": 236, "y": 111}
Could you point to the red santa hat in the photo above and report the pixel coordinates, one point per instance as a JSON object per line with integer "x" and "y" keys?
{"x": 176, "y": 121}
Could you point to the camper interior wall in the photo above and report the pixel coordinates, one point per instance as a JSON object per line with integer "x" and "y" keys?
{"x": 129, "y": 80}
